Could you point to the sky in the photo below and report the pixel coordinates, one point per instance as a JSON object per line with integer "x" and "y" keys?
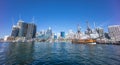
{"x": 60, "y": 15}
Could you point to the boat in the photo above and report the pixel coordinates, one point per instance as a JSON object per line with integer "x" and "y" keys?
{"x": 83, "y": 41}
{"x": 88, "y": 38}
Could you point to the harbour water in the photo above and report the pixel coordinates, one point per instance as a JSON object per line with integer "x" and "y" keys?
{"x": 39, "y": 53}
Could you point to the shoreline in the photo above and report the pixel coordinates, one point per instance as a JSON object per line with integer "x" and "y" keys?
{"x": 61, "y": 42}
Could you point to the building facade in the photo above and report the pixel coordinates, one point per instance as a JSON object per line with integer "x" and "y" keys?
{"x": 31, "y": 31}
{"x": 106, "y": 35}
{"x": 49, "y": 32}
{"x": 27, "y": 30}
{"x": 22, "y": 29}
{"x": 100, "y": 32}
{"x": 114, "y": 32}
{"x": 62, "y": 34}
{"x": 15, "y": 31}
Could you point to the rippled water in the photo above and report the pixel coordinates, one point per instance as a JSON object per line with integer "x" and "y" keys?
{"x": 58, "y": 54}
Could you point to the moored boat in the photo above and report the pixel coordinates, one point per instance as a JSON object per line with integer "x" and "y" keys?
{"x": 84, "y": 41}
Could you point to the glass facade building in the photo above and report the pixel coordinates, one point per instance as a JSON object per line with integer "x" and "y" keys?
{"x": 15, "y": 31}
{"x": 27, "y": 30}
{"x": 62, "y": 34}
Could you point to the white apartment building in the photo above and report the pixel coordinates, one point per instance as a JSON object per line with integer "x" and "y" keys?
{"x": 114, "y": 32}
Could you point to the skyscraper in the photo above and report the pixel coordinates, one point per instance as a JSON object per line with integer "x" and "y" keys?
{"x": 62, "y": 34}
{"x": 15, "y": 31}
{"x": 34, "y": 31}
{"x": 31, "y": 31}
{"x": 55, "y": 36}
{"x": 49, "y": 32}
{"x": 27, "y": 30}
{"x": 22, "y": 28}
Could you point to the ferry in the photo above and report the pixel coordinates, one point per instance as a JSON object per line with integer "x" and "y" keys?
{"x": 83, "y": 41}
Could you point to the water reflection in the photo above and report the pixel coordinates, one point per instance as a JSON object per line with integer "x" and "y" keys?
{"x": 16, "y": 53}
{"x": 58, "y": 54}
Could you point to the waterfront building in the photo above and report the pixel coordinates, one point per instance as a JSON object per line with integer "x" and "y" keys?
{"x": 62, "y": 34}
{"x": 22, "y": 28}
{"x": 31, "y": 31}
{"x": 1, "y": 39}
{"x": 55, "y": 36}
{"x": 100, "y": 32}
{"x": 58, "y": 35}
{"x": 49, "y": 32}
{"x": 42, "y": 32}
{"x": 114, "y": 32}
{"x": 106, "y": 35}
{"x": 15, "y": 31}
{"x": 45, "y": 35}
{"x": 9, "y": 38}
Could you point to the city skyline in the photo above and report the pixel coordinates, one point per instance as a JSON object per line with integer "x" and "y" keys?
{"x": 60, "y": 15}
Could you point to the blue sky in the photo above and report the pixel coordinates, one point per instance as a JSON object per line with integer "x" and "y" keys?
{"x": 60, "y": 15}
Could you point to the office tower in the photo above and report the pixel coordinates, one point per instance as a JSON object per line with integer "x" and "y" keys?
{"x": 49, "y": 32}
{"x": 31, "y": 30}
{"x": 100, "y": 32}
{"x": 62, "y": 34}
{"x": 15, "y": 31}
{"x": 22, "y": 28}
{"x": 55, "y": 36}
{"x": 27, "y": 30}
{"x": 114, "y": 32}
{"x": 34, "y": 31}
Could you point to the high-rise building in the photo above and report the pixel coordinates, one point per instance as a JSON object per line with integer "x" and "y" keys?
{"x": 15, "y": 31}
{"x": 34, "y": 31}
{"x": 49, "y": 32}
{"x": 62, "y": 34}
{"x": 55, "y": 36}
{"x": 114, "y": 32}
{"x": 45, "y": 34}
{"x": 22, "y": 28}
{"x": 31, "y": 31}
